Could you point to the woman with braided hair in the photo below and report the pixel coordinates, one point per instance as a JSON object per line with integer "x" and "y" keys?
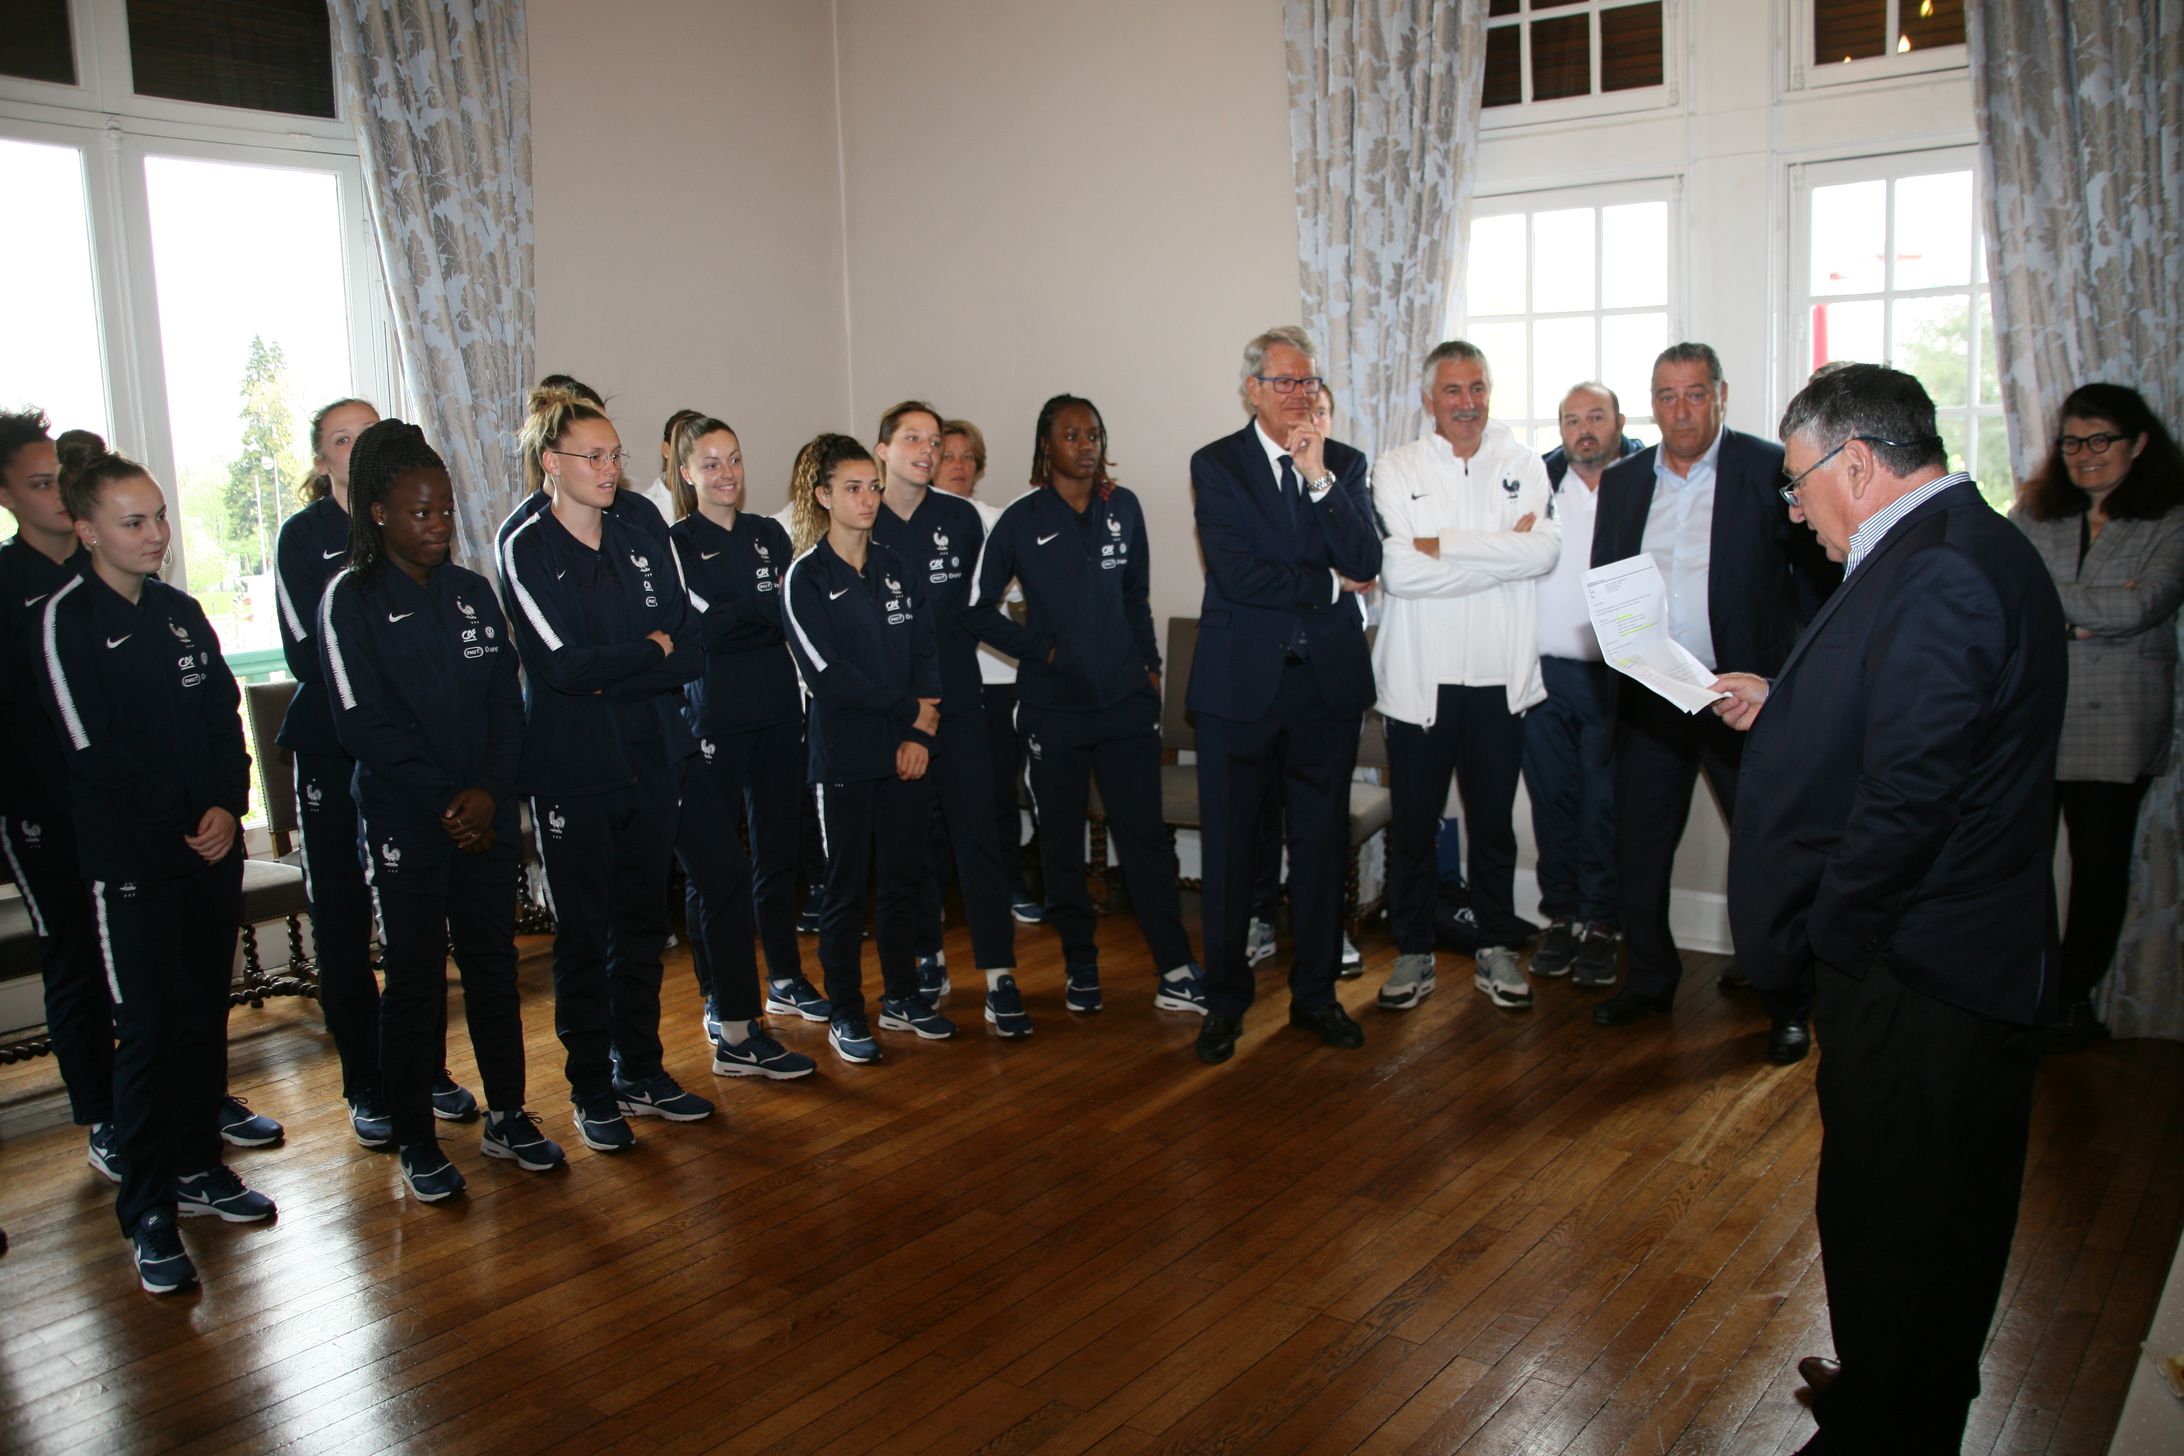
{"x": 421, "y": 682}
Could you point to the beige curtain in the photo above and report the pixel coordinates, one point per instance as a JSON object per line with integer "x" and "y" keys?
{"x": 2081, "y": 136}
{"x": 1383, "y": 129}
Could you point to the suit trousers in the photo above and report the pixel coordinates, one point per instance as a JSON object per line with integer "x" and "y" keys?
{"x": 1310, "y": 749}
{"x": 1121, "y": 745}
{"x": 876, "y": 828}
{"x": 605, "y": 859}
{"x": 433, "y": 900}
{"x": 1569, "y": 774}
{"x": 1659, "y": 754}
{"x": 79, "y": 1010}
{"x": 1924, "y": 1110}
{"x": 760, "y": 774}
{"x": 1477, "y": 738}
{"x": 341, "y": 918}
{"x": 2103, "y": 823}
{"x": 169, "y": 949}
{"x": 964, "y": 830}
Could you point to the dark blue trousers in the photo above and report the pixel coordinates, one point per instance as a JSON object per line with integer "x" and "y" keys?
{"x": 1475, "y": 737}
{"x": 716, "y": 890}
{"x": 79, "y": 1010}
{"x": 1569, "y": 773}
{"x": 962, "y": 779}
{"x": 760, "y": 775}
{"x": 875, "y": 829}
{"x": 341, "y": 917}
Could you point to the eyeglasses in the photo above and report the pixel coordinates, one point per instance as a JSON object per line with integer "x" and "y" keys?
{"x": 1789, "y": 487}
{"x": 596, "y": 459}
{"x": 2093, "y": 444}
{"x": 1283, "y": 384}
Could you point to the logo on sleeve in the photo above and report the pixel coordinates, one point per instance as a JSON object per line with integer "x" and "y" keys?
{"x": 390, "y": 855}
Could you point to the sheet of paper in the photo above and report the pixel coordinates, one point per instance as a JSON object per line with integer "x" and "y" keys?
{"x": 1629, "y": 606}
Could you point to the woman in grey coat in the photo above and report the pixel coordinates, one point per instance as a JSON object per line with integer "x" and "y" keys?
{"x": 2105, "y": 515}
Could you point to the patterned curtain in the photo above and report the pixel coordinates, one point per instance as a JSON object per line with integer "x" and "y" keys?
{"x": 1383, "y": 129}
{"x": 440, "y": 94}
{"x": 2081, "y": 137}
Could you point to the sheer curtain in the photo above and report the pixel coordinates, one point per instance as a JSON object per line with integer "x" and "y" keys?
{"x": 2081, "y": 134}
{"x": 1383, "y": 129}
{"x": 440, "y": 94}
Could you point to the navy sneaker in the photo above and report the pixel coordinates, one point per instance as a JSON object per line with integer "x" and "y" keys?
{"x": 451, "y": 1101}
{"x": 933, "y": 985}
{"x": 760, "y": 1056}
{"x": 162, "y": 1265}
{"x": 1084, "y": 989}
{"x": 246, "y": 1129}
{"x": 807, "y": 919}
{"x": 659, "y": 1096}
{"x": 217, "y": 1192}
{"x": 600, "y": 1124}
{"x": 797, "y": 997}
{"x": 1182, "y": 993}
{"x": 373, "y": 1127}
{"x": 712, "y": 1019}
{"x": 1027, "y": 910}
{"x": 1005, "y": 1009}
{"x": 515, "y": 1136}
{"x": 914, "y": 1013}
{"x": 104, "y": 1152}
{"x": 852, "y": 1039}
{"x": 428, "y": 1174}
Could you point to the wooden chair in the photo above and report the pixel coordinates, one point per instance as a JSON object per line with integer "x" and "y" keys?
{"x": 273, "y": 889}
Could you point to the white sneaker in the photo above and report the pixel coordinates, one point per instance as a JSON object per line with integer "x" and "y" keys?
{"x": 1258, "y": 941}
{"x": 1352, "y": 964}
{"x": 1502, "y": 980}
{"x": 1409, "y": 983}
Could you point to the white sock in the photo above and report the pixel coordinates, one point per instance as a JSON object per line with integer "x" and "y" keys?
{"x": 993, "y": 978}
{"x": 735, "y": 1033}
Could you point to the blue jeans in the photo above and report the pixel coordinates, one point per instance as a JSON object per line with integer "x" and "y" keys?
{"x": 1569, "y": 772}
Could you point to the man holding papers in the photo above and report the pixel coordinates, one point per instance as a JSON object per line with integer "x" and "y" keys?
{"x": 1740, "y": 579}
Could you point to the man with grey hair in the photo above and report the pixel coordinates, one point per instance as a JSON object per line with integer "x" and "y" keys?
{"x": 1893, "y": 833}
{"x": 1280, "y": 680}
{"x": 1465, "y": 509}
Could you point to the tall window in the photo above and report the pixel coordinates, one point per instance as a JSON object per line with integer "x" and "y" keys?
{"x": 1843, "y": 42}
{"x": 1585, "y": 55}
{"x": 1564, "y": 287}
{"x": 202, "y": 277}
{"x": 1893, "y": 269}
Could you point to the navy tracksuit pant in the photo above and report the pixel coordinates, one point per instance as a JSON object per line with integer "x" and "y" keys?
{"x": 433, "y": 898}
{"x": 961, "y": 774}
{"x": 1569, "y": 772}
{"x": 341, "y": 918}
{"x": 169, "y": 951}
{"x": 759, "y": 775}
{"x": 1121, "y": 744}
{"x": 888, "y": 821}
{"x": 79, "y": 1009}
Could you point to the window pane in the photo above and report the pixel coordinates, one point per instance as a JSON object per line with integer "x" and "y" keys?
{"x": 1990, "y": 368}
{"x": 1494, "y": 273}
{"x": 1990, "y": 463}
{"x": 1849, "y": 238}
{"x": 52, "y": 359}
{"x": 1955, "y": 439}
{"x": 1845, "y": 30}
{"x": 1934, "y": 230}
{"x": 267, "y": 55}
{"x": 1933, "y": 340}
{"x": 1562, "y": 57}
{"x": 1504, "y": 80}
{"x": 1562, "y": 260}
{"x": 1846, "y": 331}
{"x": 1507, "y": 357}
{"x": 1629, "y": 343}
{"x": 254, "y": 332}
{"x": 1562, "y": 355}
{"x": 1545, "y": 437}
{"x": 1630, "y": 47}
{"x": 1634, "y": 255}
{"x": 38, "y": 44}
{"x": 1501, "y": 7}
{"x": 1931, "y": 23}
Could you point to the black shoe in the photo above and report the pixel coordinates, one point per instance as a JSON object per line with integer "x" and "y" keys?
{"x": 1789, "y": 1043}
{"x": 1331, "y": 1022}
{"x": 1818, "y": 1372}
{"x": 1217, "y": 1038}
{"x": 1558, "y": 947}
{"x": 1598, "y": 956}
{"x": 1626, "y": 1006}
{"x": 1732, "y": 979}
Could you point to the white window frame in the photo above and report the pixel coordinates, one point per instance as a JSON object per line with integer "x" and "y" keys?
{"x": 116, "y": 130}
{"x": 1799, "y": 298}
{"x": 1664, "y": 97}
{"x": 1602, "y": 195}
{"x": 1809, "y": 72}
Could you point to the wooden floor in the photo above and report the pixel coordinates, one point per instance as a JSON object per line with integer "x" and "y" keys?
{"x": 1486, "y": 1232}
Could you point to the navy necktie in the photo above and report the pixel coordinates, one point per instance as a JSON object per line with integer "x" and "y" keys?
{"x": 1289, "y": 491}
{"x": 1298, "y": 646}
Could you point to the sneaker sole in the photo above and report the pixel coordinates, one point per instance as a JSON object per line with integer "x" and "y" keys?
{"x": 235, "y": 1141}
{"x": 101, "y": 1168}
{"x": 647, "y": 1109}
{"x": 428, "y": 1197}
{"x": 1404, "y": 1003}
{"x": 206, "y": 1210}
{"x": 375, "y": 1146}
{"x": 599, "y": 1147}
{"x": 790, "y": 1008}
{"x": 1024, "y": 918}
{"x": 1503, "y": 1000}
{"x": 502, "y": 1150}
{"x": 1165, "y": 1002}
{"x": 853, "y": 1058}
{"x": 177, "y": 1287}
{"x": 453, "y": 1116}
{"x": 1596, "y": 982}
{"x": 896, "y": 1023}
{"x": 1007, "y": 1033}
{"x": 1548, "y": 972}
{"x": 1347, "y": 972}
{"x": 745, "y": 1069}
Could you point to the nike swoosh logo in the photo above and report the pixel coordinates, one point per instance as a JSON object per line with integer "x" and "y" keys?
{"x": 561, "y": 573}
{"x": 842, "y": 593}
{"x": 1420, "y": 497}
{"x": 330, "y": 555}
{"x": 1044, "y": 539}
{"x": 399, "y": 616}
{"x": 707, "y": 555}
{"x": 33, "y": 601}
{"x": 117, "y": 641}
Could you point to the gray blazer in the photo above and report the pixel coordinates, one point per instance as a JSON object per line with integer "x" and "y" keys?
{"x": 2122, "y": 700}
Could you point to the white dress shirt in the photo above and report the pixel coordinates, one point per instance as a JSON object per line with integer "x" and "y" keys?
{"x": 1679, "y": 537}
{"x": 1565, "y": 621}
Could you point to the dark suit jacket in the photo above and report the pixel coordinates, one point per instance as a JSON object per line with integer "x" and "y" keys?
{"x": 1766, "y": 573}
{"x": 1895, "y": 804}
{"x": 1263, "y": 577}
